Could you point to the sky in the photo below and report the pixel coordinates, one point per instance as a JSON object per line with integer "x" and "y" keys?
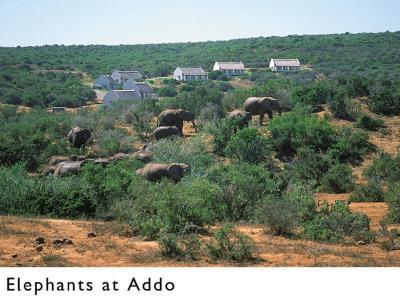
{"x": 113, "y": 22}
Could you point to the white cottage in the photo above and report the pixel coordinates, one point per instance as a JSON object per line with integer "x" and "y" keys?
{"x": 190, "y": 74}
{"x": 142, "y": 88}
{"x": 123, "y": 76}
{"x": 229, "y": 68}
{"x": 106, "y": 81}
{"x": 117, "y": 95}
{"x": 284, "y": 65}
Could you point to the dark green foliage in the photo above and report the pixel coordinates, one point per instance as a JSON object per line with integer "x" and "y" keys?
{"x": 385, "y": 100}
{"x": 337, "y": 222}
{"x": 229, "y": 244}
{"x": 384, "y": 168}
{"x": 350, "y": 146}
{"x": 368, "y": 122}
{"x": 312, "y": 95}
{"x": 393, "y": 201}
{"x": 371, "y": 192}
{"x": 342, "y": 106}
{"x": 244, "y": 187}
{"x": 294, "y": 130}
{"x": 248, "y": 145}
{"x": 156, "y": 209}
{"x": 167, "y": 91}
{"x": 221, "y": 130}
{"x": 180, "y": 246}
{"x": 32, "y": 137}
{"x": 283, "y": 214}
{"x": 51, "y": 196}
{"x": 338, "y": 179}
{"x": 308, "y": 166}
{"x": 24, "y": 87}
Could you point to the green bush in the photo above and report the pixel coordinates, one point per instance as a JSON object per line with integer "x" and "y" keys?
{"x": 164, "y": 207}
{"x": 229, "y": 244}
{"x": 283, "y": 214}
{"x": 342, "y": 106}
{"x": 371, "y": 192}
{"x": 393, "y": 201}
{"x": 385, "y": 100}
{"x": 180, "y": 246}
{"x": 350, "y": 146}
{"x": 294, "y": 130}
{"x": 338, "y": 179}
{"x": 167, "y": 91}
{"x": 248, "y": 145}
{"x": 313, "y": 94}
{"x": 384, "y": 168}
{"x": 221, "y": 130}
{"x": 337, "y": 222}
{"x": 244, "y": 186}
{"x": 368, "y": 122}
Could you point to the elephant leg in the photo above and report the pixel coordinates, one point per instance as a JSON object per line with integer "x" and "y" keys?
{"x": 179, "y": 125}
{"x": 261, "y": 118}
{"x": 270, "y": 115}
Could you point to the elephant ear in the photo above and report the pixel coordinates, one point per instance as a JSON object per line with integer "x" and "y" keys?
{"x": 175, "y": 171}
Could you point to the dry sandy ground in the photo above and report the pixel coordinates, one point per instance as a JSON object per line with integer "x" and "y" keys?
{"x": 108, "y": 248}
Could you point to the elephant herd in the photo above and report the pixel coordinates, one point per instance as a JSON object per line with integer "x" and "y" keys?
{"x": 169, "y": 123}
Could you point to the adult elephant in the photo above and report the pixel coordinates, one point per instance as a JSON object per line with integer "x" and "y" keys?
{"x": 155, "y": 172}
{"x": 165, "y": 131}
{"x": 68, "y": 168}
{"x": 175, "y": 117}
{"x": 243, "y": 117}
{"x": 79, "y": 136}
{"x": 261, "y": 106}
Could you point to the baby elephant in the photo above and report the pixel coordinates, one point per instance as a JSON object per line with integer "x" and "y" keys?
{"x": 165, "y": 131}
{"x": 243, "y": 117}
{"x": 155, "y": 172}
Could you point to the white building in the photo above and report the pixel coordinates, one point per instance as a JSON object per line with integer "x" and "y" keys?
{"x": 229, "y": 68}
{"x": 117, "y": 95}
{"x": 284, "y": 65}
{"x": 189, "y": 74}
{"x": 145, "y": 91}
{"x": 123, "y": 76}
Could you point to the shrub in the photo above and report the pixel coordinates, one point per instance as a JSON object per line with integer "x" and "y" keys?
{"x": 164, "y": 207}
{"x": 350, "y": 146}
{"x": 342, "y": 106}
{"x": 191, "y": 152}
{"x": 283, "y": 214}
{"x": 338, "y": 179}
{"x": 221, "y": 130}
{"x": 211, "y": 112}
{"x": 312, "y": 95}
{"x": 294, "y": 130}
{"x": 180, "y": 246}
{"x": 372, "y": 192}
{"x": 384, "y": 168}
{"x": 248, "y": 145}
{"x": 244, "y": 187}
{"x": 167, "y": 91}
{"x": 393, "y": 201}
{"x": 229, "y": 244}
{"x": 337, "y": 222}
{"x": 368, "y": 122}
{"x": 385, "y": 100}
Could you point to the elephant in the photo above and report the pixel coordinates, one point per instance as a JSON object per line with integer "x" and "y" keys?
{"x": 54, "y": 160}
{"x": 78, "y": 136}
{"x": 144, "y": 156}
{"x": 155, "y": 172}
{"x": 175, "y": 117}
{"x": 68, "y": 168}
{"x": 262, "y": 105}
{"x": 243, "y": 117}
{"x": 165, "y": 131}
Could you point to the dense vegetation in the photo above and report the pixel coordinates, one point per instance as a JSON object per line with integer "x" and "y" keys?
{"x": 261, "y": 174}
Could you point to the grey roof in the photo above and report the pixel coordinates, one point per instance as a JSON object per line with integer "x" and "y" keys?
{"x": 129, "y": 74}
{"x": 230, "y": 65}
{"x": 286, "y": 62}
{"x": 127, "y": 94}
{"x": 193, "y": 71}
{"x": 111, "y": 79}
{"x": 144, "y": 87}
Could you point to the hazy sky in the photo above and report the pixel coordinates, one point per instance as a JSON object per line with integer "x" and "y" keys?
{"x": 39, "y": 22}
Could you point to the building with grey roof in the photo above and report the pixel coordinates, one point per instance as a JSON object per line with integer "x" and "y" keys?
{"x": 142, "y": 88}
{"x": 189, "y": 74}
{"x": 123, "y": 76}
{"x": 118, "y": 95}
{"x": 106, "y": 82}
{"x": 229, "y": 68}
{"x": 284, "y": 65}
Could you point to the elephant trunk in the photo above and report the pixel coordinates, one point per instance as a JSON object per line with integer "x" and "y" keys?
{"x": 194, "y": 125}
